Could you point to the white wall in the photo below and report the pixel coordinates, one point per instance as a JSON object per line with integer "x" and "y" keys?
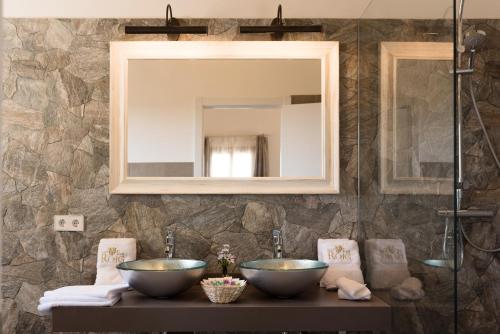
{"x": 163, "y": 95}
{"x": 240, "y": 122}
{"x": 301, "y": 153}
{"x": 246, "y": 8}
{"x": 158, "y": 129}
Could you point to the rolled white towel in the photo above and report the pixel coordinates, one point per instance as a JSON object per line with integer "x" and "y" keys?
{"x": 95, "y": 291}
{"x": 352, "y": 290}
{"x": 46, "y": 308}
{"x": 410, "y": 289}
{"x": 110, "y": 253}
{"x": 343, "y": 258}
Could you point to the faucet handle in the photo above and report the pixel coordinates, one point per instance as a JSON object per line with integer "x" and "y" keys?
{"x": 170, "y": 238}
{"x": 277, "y": 244}
{"x": 170, "y": 244}
{"x": 277, "y": 239}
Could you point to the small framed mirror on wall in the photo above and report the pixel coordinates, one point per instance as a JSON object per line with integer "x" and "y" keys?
{"x": 224, "y": 117}
{"x": 416, "y": 118}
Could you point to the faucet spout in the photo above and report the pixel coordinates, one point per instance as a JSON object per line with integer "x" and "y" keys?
{"x": 170, "y": 245}
{"x": 277, "y": 244}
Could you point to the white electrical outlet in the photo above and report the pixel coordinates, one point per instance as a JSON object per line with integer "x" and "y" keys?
{"x": 68, "y": 223}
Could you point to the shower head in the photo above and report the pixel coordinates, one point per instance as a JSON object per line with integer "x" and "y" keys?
{"x": 474, "y": 39}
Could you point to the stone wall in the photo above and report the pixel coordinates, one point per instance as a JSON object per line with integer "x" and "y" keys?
{"x": 55, "y": 161}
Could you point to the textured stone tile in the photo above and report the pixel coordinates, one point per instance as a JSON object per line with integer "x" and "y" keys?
{"x": 261, "y": 218}
{"x": 53, "y": 59}
{"x": 243, "y": 245}
{"x": 93, "y": 204}
{"x": 10, "y": 289}
{"x": 30, "y": 323}
{"x": 59, "y": 35}
{"x": 214, "y": 220}
{"x": 10, "y": 38}
{"x": 38, "y": 243}
{"x": 28, "y": 272}
{"x": 10, "y": 247}
{"x": 58, "y": 157}
{"x": 28, "y": 297}
{"x": 76, "y": 88}
{"x": 10, "y": 315}
{"x": 82, "y": 170}
{"x": 144, "y": 223}
{"x": 89, "y": 63}
{"x": 71, "y": 246}
{"x": 299, "y": 241}
{"x": 17, "y": 217}
{"x": 189, "y": 243}
{"x": 31, "y": 93}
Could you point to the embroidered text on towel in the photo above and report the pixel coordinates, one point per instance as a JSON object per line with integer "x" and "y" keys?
{"x": 112, "y": 256}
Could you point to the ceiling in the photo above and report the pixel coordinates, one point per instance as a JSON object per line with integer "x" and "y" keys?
{"x": 418, "y": 9}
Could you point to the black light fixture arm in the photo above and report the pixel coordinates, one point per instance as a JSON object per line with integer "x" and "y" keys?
{"x": 279, "y": 17}
{"x": 172, "y": 26}
{"x": 278, "y": 27}
{"x": 168, "y": 20}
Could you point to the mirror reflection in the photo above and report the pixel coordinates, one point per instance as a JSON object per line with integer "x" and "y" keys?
{"x": 225, "y": 118}
{"x": 424, "y": 137}
{"x": 416, "y": 136}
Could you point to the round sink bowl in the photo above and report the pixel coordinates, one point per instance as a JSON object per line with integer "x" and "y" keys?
{"x": 283, "y": 278}
{"x": 162, "y": 278}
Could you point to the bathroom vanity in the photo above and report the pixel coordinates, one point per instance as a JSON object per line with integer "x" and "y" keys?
{"x": 314, "y": 310}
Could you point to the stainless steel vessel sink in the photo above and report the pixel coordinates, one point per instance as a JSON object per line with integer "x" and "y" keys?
{"x": 162, "y": 277}
{"x": 283, "y": 278}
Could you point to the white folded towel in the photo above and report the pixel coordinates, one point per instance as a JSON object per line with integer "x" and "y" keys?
{"x": 45, "y": 308}
{"x": 352, "y": 290}
{"x": 343, "y": 258}
{"x": 83, "y": 299}
{"x": 110, "y": 253}
{"x": 386, "y": 262}
{"x": 96, "y": 291}
{"x": 81, "y": 295}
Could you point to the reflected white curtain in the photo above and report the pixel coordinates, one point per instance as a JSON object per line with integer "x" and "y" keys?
{"x": 230, "y": 156}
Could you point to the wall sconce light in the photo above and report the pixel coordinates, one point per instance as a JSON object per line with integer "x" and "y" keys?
{"x": 278, "y": 28}
{"x": 172, "y": 27}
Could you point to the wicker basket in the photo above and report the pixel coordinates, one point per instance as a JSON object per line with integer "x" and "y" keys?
{"x": 223, "y": 294}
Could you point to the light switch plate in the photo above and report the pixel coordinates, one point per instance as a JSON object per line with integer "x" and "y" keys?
{"x": 68, "y": 223}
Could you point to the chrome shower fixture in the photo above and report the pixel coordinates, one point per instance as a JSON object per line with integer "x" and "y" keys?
{"x": 474, "y": 39}
{"x": 472, "y": 42}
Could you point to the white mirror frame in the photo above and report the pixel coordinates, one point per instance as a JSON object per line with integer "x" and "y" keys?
{"x": 123, "y": 51}
{"x": 390, "y": 53}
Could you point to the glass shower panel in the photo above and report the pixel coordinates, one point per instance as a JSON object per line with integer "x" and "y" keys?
{"x": 406, "y": 152}
{"x": 478, "y": 169}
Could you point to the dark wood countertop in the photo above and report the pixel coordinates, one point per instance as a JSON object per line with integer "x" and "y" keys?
{"x": 314, "y": 310}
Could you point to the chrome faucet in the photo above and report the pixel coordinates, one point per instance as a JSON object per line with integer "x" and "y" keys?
{"x": 170, "y": 245}
{"x": 277, "y": 244}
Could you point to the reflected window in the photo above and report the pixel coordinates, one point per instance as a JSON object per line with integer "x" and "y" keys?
{"x": 227, "y": 164}
{"x": 236, "y": 156}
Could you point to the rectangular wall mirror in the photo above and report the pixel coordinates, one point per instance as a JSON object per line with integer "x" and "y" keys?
{"x": 224, "y": 117}
{"x": 416, "y": 125}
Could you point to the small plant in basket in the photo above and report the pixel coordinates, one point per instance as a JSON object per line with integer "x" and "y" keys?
{"x": 225, "y": 259}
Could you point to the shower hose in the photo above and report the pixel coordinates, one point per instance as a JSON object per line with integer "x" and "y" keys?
{"x": 495, "y": 157}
